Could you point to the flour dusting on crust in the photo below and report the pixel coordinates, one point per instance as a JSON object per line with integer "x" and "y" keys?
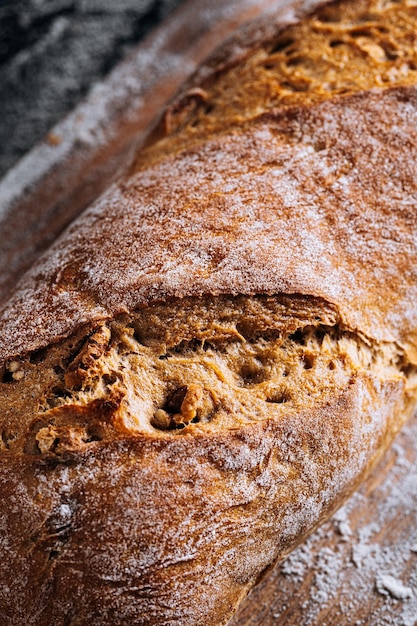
{"x": 274, "y": 229}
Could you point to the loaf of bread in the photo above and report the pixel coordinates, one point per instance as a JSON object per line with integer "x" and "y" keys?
{"x": 210, "y": 360}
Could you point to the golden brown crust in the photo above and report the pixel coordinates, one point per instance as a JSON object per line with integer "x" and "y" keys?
{"x": 254, "y": 214}
{"x": 156, "y": 532}
{"x": 148, "y": 477}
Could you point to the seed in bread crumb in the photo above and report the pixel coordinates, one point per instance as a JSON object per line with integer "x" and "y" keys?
{"x": 161, "y": 419}
{"x": 15, "y": 369}
{"x": 190, "y": 404}
{"x": 180, "y": 408}
{"x": 46, "y": 438}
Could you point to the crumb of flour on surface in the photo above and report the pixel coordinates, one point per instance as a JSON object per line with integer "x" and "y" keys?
{"x": 53, "y": 139}
{"x": 388, "y": 584}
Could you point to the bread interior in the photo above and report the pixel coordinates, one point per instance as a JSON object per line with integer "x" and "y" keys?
{"x": 187, "y": 367}
{"x": 340, "y": 49}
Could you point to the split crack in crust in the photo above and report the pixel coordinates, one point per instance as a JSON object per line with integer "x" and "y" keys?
{"x": 198, "y": 365}
{"x": 338, "y": 51}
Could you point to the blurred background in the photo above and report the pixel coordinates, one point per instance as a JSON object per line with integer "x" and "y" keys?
{"x": 52, "y": 51}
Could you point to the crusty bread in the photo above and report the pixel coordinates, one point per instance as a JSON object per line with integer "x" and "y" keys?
{"x": 212, "y": 357}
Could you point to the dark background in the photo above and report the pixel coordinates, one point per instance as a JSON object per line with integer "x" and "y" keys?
{"x": 52, "y": 51}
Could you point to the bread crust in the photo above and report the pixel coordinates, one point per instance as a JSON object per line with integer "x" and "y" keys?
{"x": 159, "y": 531}
{"x": 309, "y": 204}
{"x": 255, "y": 213}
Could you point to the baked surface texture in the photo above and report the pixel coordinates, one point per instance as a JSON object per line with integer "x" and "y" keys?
{"x": 213, "y": 356}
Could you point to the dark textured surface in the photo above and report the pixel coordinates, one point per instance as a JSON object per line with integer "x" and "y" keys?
{"x": 52, "y": 51}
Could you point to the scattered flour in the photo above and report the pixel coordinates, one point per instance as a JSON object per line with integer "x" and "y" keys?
{"x": 388, "y": 584}
{"x": 360, "y": 568}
